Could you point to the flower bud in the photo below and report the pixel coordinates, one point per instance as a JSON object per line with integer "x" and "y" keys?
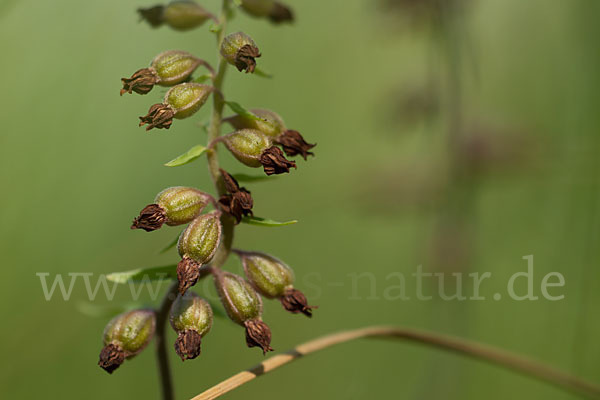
{"x": 125, "y": 336}
{"x": 247, "y": 145}
{"x": 187, "y": 98}
{"x": 271, "y": 9}
{"x": 191, "y": 317}
{"x": 274, "y": 279}
{"x": 174, "y": 66}
{"x": 197, "y": 245}
{"x": 244, "y": 307}
{"x": 240, "y": 50}
{"x": 173, "y": 206}
{"x": 270, "y": 124}
{"x": 185, "y": 15}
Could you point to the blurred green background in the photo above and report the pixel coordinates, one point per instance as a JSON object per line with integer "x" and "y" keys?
{"x": 460, "y": 141}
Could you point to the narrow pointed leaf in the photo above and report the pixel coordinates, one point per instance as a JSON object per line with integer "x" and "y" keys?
{"x": 144, "y": 274}
{"x": 263, "y": 74}
{"x": 168, "y": 247}
{"x": 240, "y": 110}
{"x": 265, "y": 222}
{"x": 204, "y": 77}
{"x": 188, "y": 156}
{"x": 252, "y": 178}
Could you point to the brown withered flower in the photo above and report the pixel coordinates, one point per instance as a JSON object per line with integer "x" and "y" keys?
{"x": 111, "y": 357}
{"x": 153, "y": 15}
{"x": 151, "y": 218}
{"x": 187, "y": 344}
{"x": 245, "y": 58}
{"x": 142, "y": 81}
{"x": 274, "y": 162}
{"x": 293, "y": 144}
{"x": 159, "y": 116}
{"x": 281, "y": 13}
{"x": 295, "y": 302}
{"x": 258, "y": 334}
{"x": 188, "y": 273}
{"x": 238, "y": 201}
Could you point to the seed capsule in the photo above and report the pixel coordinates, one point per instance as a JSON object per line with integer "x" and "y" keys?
{"x": 185, "y": 15}
{"x": 244, "y": 307}
{"x": 191, "y": 317}
{"x": 125, "y": 336}
{"x": 274, "y": 279}
{"x": 247, "y": 145}
{"x": 197, "y": 245}
{"x": 173, "y": 206}
{"x": 187, "y": 98}
{"x": 271, "y": 124}
{"x": 174, "y": 66}
{"x": 273, "y": 10}
{"x": 240, "y": 50}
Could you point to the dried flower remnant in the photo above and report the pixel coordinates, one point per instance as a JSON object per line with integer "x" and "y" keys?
{"x": 142, "y": 81}
{"x": 238, "y": 201}
{"x": 151, "y": 218}
{"x": 159, "y": 116}
{"x": 295, "y": 302}
{"x": 293, "y": 144}
{"x": 281, "y": 13}
{"x": 188, "y": 273}
{"x": 258, "y": 334}
{"x": 153, "y": 15}
{"x": 274, "y": 162}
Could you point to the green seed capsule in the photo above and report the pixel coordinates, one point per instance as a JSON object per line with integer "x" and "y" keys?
{"x": 125, "y": 336}
{"x": 191, "y": 312}
{"x": 200, "y": 240}
{"x": 240, "y": 50}
{"x": 191, "y": 317}
{"x": 174, "y": 66}
{"x": 270, "y": 124}
{"x": 182, "y": 204}
{"x": 187, "y": 98}
{"x": 240, "y": 300}
{"x": 247, "y": 145}
{"x": 185, "y": 15}
{"x": 267, "y": 274}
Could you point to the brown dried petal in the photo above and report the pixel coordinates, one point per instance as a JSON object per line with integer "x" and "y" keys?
{"x": 142, "y": 81}
{"x": 293, "y": 144}
{"x": 153, "y": 15}
{"x": 187, "y": 344}
{"x": 295, "y": 302}
{"x": 159, "y": 116}
{"x": 244, "y": 58}
{"x": 151, "y": 218}
{"x": 258, "y": 334}
{"x": 188, "y": 273}
{"x": 239, "y": 200}
{"x": 274, "y": 162}
{"x": 111, "y": 357}
{"x": 281, "y": 13}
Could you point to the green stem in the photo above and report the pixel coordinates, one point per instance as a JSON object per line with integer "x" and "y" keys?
{"x": 214, "y": 131}
{"x": 162, "y": 315}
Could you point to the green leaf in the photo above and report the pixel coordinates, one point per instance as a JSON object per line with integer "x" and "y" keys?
{"x": 252, "y": 178}
{"x": 237, "y": 2}
{"x": 263, "y": 74}
{"x": 241, "y": 111}
{"x": 144, "y": 274}
{"x": 170, "y": 245}
{"x": 188, "y": 156}
{"x": 204, "y": 77}
{"x": 215, "y": 28}
{"x": 265, "y": 222}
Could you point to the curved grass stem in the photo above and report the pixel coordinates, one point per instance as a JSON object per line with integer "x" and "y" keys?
{"x": 464, "y": 347}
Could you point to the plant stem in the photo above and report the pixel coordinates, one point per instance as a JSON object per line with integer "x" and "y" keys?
{"x": 166, "y": 380}
{"x": 475, "y": 350}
